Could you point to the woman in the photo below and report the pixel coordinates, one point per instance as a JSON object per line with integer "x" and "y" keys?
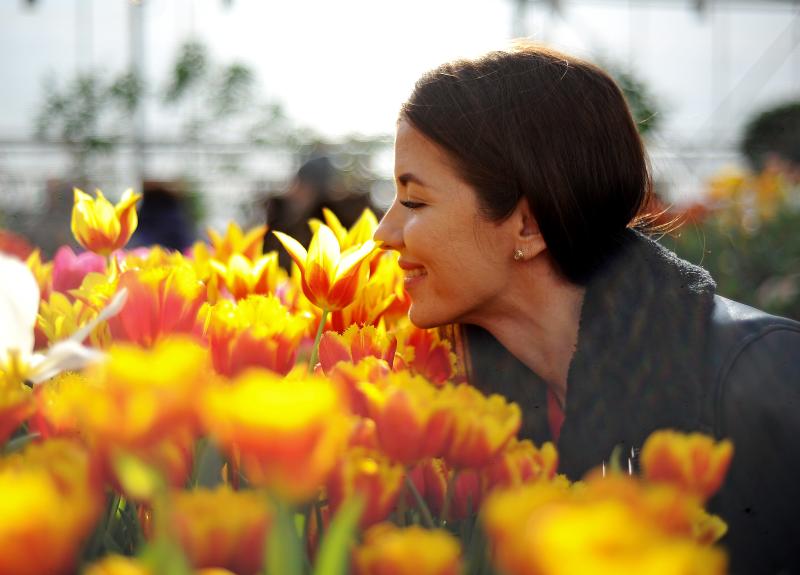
{"x": 520, "y": 176}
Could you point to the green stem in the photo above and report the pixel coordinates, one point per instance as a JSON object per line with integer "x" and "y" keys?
{"x": 427, "y": 518}
{"x": 318, "y": 517}
{"x": 401, "y": 506}
{"x": 448, "y": 498}
{"x": 312, "y": 362}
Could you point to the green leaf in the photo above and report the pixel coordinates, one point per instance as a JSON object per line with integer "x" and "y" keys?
{"x": 334, "y": 552}
{"x": 209, "y": 462}
{"x": 166, "y": 558}
{"x": 18, "y": 443}
{"x": 285, "y": 554}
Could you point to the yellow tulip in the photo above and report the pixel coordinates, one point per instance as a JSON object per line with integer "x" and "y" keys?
{"x": 42, "y": 271}
{"x": 611, "y": 524}
{"x": 244, "y": 277}
{"x": 330, "y": 278}
{"x": 51, "y": 499}
{"x": 482, "y": 426}
{"x": 289, "y": 433}
{"x": 407, "y": 551}
{"x": 236, "y": 241}
{"x": 257, "y": 331}
{"x": 221, "y": 528}
{"x": 118, "y": 565}
{"x": 361, "y": 231}
{"x": 691, "y": 461}
{"x": 59, "y": 318}
{"x": 100, "y": 226}
{"x": 15, "y": 407}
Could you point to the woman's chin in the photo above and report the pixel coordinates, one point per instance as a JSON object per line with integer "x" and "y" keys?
{"x": 424, "y": 319}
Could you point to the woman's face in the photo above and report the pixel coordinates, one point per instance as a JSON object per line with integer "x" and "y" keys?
{"x": 456, "y": 262}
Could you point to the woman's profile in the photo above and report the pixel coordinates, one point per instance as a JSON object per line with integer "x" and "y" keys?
{"x": 521, "y": 180}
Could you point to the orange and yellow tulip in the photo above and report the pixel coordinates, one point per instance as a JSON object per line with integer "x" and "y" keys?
{"x": 289, "y": 434}
{"x": 407, "y": 551}
{"x": 161, "y": 301}
{"x": 137, "y": 397}
{"x": 482, "y": 426}
{"x": 355, "y": 344}
{"x": 370, "y": 475}
{"x": 42, "y": 271}
{"x": 51, "y": 501}
{"x": 16, "y": 405}
{"x": 374, "y": 300}
{"x": 243, "y": 277}
{"x": 410, "y": 417}
{"x": 255, "y": 332}
{"x": 118, "y": 565}
{"x": 520, "y": 462}
{"x": 546, "y": 527}
{"x": 349, "y": 377}
{"x": 436, "y": 476}
{"x": 59, "y": 318}
{"x": 362, "y": 230}
{"x": 101, "y": 227}
{"x": 693, "y": 461}
{"x": 121, "y": 565}
{"x": 424, "y": 352}
{"x": 236, "y": 241}
{"x": 331, "y": 278}
{"x": 221, "y": 528}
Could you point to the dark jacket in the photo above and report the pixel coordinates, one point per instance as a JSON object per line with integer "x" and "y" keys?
{"x": 657, "y": 348}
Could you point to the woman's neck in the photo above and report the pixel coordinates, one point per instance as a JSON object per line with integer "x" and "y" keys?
{"x": 538, "y": 322}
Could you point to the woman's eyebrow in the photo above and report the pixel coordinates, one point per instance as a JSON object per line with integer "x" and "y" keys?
{"x": 407, "y": 178}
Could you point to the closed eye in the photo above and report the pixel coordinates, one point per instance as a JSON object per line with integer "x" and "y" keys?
{"x": 411, "y": 205}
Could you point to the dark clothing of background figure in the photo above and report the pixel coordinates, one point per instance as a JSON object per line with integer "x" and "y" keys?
{"x": 163, "y": 220}
{"x": 658, "y": 349}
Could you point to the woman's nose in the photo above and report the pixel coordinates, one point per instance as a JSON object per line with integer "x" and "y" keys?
{"x": 389, "y": 233}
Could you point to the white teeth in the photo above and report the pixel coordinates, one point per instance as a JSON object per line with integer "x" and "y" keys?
{"x": 415, "y": 273}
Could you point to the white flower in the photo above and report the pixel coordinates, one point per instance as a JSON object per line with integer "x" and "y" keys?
{"x": 19, "y": 304}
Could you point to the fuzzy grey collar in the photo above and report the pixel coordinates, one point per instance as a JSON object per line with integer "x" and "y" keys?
{"x": 639, "y": 362}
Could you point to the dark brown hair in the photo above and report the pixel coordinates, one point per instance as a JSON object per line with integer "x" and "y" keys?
{"x": 531, "y": 122}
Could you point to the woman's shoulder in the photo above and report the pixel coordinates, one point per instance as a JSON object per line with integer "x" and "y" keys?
{"x": 756, "y": 366}
{"x": 743, "y": 339}
{"x": 753, "y": 360}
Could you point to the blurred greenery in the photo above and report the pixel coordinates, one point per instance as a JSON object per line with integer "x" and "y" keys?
{"x": 85, "y": 114}
{"x": 773, "y": 132}
{"x": 644, "y": 106}
{"x": 749, "y": 241}
{"x": 89, "y": 113}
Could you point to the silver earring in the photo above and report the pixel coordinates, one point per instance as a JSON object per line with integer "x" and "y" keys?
{"x": 518, "y": 255}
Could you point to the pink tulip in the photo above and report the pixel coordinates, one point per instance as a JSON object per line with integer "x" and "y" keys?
{"x": 70, "y": 268}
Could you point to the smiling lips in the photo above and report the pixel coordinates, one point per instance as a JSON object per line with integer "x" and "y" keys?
{"x": 412, "y": 272}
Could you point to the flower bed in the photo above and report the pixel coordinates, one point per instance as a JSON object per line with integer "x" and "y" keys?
{"x": 213, "y": 413}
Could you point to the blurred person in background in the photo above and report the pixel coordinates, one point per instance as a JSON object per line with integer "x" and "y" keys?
{"x": 163, "y": 218}
{"x": 521, "y": 180}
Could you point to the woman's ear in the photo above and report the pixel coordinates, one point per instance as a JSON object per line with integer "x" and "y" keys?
{"x": 529, "y": 240}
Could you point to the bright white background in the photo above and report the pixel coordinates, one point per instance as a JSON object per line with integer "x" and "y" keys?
{"x": 344, "y": 66}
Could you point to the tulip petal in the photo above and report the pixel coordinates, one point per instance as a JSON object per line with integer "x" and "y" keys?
{"x": 335, "y": 225}
{"x": 324, "y": 250}
{"x": 113, "y": 308}
{"x": 66, "y": 355}
{"x": 295, "y": 249}
{"x": 363, "y": 229}
{"x": 106, "y": 216}
{"x": 352, "y": 258}
{"x": 19, "y": 303}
